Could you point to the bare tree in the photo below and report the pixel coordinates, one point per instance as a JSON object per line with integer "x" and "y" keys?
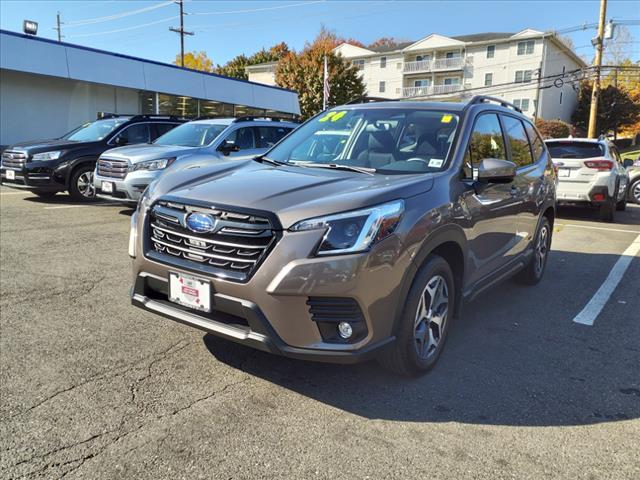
{"x": 620, "y": 47}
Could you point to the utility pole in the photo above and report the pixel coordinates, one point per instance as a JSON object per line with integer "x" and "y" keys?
{"x": 58, "y": 23}
{"x": 595, "y": 94}
{"x": 181, "y": 31}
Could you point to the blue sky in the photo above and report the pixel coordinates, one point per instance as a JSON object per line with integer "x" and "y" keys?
{"x": 227, "y": 28}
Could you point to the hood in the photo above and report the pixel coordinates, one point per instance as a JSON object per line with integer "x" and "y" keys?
{"x": 145, "y": 151}
{"x": 48, "y": 145}
{"x": 293, "y": 193}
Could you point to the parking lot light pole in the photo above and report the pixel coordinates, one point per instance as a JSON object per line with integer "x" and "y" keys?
{"x": 595, "y": 94}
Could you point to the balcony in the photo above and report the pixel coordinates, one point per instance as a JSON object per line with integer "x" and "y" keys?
{"x": 439, "y": 64}
{"x": 431, "y": 90}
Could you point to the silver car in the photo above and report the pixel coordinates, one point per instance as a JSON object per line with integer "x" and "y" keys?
{"x": 122, "y": 174}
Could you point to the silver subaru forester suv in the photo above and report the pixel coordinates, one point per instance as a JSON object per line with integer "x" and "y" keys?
{"x": 122, "y": 174}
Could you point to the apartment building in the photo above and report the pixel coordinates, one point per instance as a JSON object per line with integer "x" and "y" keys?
{"x": 532, "y": 69}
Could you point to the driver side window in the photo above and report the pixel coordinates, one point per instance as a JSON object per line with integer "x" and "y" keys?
{"x": 134, "y": 134}
{"x": 486, "y": 141}
{"x": 243, "y": 138}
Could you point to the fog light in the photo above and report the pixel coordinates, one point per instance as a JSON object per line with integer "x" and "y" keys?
{"x": 345, "y": 330}
{"x": 598, "y": 197}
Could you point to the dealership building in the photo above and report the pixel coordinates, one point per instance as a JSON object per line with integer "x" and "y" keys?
{"x": 47, "y": 88}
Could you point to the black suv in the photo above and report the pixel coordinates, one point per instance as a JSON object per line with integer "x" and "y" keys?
{"x": 357, "y": 235}
{"x": 67, "y": 163}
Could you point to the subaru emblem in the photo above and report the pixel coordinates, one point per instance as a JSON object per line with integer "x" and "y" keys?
{"x": 107, "y": 164}
{"x": 200, "y": 222}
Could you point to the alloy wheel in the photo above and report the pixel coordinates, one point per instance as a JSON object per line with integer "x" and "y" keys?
{"x": 431, "y": 317}
{"x": 85, "y": 185}
{"x": 542, "y": 248}
{"x": 636, "y": 192}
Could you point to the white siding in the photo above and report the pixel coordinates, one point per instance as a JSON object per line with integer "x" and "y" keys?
{"x": 550, "y": 107}
{"x": 35, "y": 107}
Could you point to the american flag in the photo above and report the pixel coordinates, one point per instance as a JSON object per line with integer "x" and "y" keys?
{"x": 326, "y": 88}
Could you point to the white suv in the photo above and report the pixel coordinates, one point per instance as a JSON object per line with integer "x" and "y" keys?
{"x": 590, "y": 173}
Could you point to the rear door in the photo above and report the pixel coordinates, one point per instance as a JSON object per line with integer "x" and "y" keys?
{"x": 492, "y": 207}
{"x": 528, "y": 184}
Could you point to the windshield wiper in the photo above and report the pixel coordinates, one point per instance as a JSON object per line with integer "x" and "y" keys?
{"x": 263, "y": 159}
{"x": 337, "y": 166}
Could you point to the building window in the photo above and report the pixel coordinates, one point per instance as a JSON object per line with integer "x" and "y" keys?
{"x": 488, "y": 79}
{"x": 381, "y": 87}
{"x": 560, "y": 97}
{"x": 522, "y": 104}
{"x": 422, "y": 83}
{"x": 452, "y": 55}
{"x": 383, "y": 62}
{"x": 359, "y": 64}
{"x": 523, "y": 76}
{"x": 423, "y": 58}
{"x": 452, "y": 81}
{"x": 526, "y": 48}
{"x": 491, "y": 51}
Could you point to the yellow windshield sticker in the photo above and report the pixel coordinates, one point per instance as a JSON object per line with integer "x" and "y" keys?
{"x": 446, "y": 118}
{"x": 328, "y": 116}
{"x": 338, "y": 116}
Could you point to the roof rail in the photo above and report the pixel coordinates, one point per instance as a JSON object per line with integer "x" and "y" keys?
{"x": 485, "y": 98}
{"x": 366, "y": 99}
{"x": 147, "y": 116}
{"x": 249, "y": 118}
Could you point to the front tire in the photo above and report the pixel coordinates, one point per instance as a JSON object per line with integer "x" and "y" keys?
{"x": 425, "y": 321}
{"x": 81, "y": 186}
{"x": 534, "y": 271}
{"x": 634, "y": 191}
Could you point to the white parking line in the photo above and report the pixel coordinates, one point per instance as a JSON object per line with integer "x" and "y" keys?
{"x": 592, "y": 309}
{"x": 13, "y": 193}
{"x": 82, "y": 206}
{"x": 596, "y": 228}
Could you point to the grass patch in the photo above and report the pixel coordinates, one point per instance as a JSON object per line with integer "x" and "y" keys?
{"x": 633, "y": 154}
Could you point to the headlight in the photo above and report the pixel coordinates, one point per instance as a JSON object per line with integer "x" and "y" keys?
{"x": 43, "y": 157}
{"x": 355, "y": 231}
{"x": 159, "y": 164}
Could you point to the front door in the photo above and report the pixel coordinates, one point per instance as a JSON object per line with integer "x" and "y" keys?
{"x": 491, "y": 208}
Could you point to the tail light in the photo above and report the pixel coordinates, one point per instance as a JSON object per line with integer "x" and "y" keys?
{"x": 600, "y": 165}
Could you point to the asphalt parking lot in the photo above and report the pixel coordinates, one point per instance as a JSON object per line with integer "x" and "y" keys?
{"x": 93, "y": 388}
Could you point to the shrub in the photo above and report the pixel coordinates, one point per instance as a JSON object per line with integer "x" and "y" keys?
{"x": 553, "y": 128}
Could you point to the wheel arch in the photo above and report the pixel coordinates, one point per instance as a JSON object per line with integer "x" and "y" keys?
{"x": 78, "y": 163}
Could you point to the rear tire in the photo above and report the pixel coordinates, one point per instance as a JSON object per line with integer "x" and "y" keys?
{"x": 606, "y": 212}
{"x": 81, "y": 186}
{"x": 534, "y": 271}
{"x": 425, "y": 322}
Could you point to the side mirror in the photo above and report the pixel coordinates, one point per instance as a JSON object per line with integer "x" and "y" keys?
{"x": 627, "y": 163}
{"x": 495, "y": 170}
{"x": 227, "y": 147}
{"x": 121, "y": 141}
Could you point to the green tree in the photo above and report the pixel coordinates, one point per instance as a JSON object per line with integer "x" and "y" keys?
{"x": 616, "y": 109}
{"x": 236, "y": 66}
{"x": 196, "y": 61}
{"x": 304, "y": 73}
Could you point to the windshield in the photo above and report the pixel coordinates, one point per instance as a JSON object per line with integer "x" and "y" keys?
{"x": 191, "y": 135}
{"x": 94, "y": 131}
{"x": 390, "y": 141}
{"x": 575, "y": 149}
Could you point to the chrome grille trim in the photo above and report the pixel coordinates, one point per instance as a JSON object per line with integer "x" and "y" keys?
{"x": 235, "y": 247}
{"x": 14, "y": 159}
{"x": 112, "y": 168}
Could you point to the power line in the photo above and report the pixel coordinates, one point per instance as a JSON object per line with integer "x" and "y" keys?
{"x": 252, "y": 10}
{"x": 117, "y": 16}
{"x": 135, "y": 27}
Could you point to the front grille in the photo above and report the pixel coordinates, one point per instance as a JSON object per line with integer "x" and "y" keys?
{"x": 112, "y": 168}
{"x": 235, "y": 247}
{"x": 13, "y": 159}
{"x": 328, "y": 312}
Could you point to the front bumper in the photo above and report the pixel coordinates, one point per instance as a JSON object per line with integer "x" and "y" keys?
{"x": 35, "y": 176}
{"x": 270, "y": 311}
{"x": 127, "y": 190}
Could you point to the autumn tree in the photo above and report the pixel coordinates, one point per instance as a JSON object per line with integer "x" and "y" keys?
{"x": 553, "y": 128}
{"x": 304, "y": 73}
{"x": 385, "y": 42}
{"x": 236, "y": 66}
{"x": 196, "y": 61}
{"x": 616, "y": 109}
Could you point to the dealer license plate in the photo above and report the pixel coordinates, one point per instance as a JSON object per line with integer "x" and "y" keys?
{"x": 107, "y": 187}
{"x": 190, "y": 291}
{"x": 11, "y": 175}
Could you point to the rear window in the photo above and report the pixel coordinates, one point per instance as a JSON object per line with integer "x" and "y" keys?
{"x": 575, "y": 149}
